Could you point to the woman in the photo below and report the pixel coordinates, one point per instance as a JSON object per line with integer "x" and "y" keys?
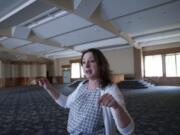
{"x": 96, "y": 106}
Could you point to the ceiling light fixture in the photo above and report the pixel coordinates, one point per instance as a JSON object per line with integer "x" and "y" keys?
{"x": 29, "y": 2}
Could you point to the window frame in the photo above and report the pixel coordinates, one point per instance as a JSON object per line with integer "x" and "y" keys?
{"x": 176, "y": 68}
{"x": 163, "y": 54}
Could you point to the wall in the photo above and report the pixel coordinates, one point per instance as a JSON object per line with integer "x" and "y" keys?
{"x": 57, "y": 69}
{"x": 59, "y": 63}
{"x": 138, "y": 64}
{"x": 121, "y": 60}
{"x": 14, "y": 74}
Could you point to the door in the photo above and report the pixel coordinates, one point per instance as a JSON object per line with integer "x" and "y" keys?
{"x": 66, "y": 76}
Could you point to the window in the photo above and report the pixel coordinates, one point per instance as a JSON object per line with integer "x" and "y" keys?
{"x": 172, "y": 62}
{"x": 76, "y": 70}
{"x": 178, "y": 64}
{"x": 82, "y": 72}
{"x": 153, "y": 66}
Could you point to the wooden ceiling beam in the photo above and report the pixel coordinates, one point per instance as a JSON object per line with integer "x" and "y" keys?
{"x": 33, "y": 39}
{"x": 95, "y": 18}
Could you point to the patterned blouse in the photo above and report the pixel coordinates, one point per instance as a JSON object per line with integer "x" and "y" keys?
{"x": 85, "y": 116}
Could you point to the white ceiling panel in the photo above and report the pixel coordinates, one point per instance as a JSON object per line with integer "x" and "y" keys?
{"x": 142, "y": 23}
{"x": 158, "y": 36}
{"x": 84, "y": 35}
{"x": 161, "y": 41}
{"x": 13, "y": 42}
{"x": 34, "y": 9}
{"x": 5, "y": 7}
{"x": 52, "y": 51}
{"x": 102, "y": 43}
{"x": 36, "y": 48}
{"x": 65, "y": 53}
{"x": 116, "y": 8}
{"x": 61, "y": 25}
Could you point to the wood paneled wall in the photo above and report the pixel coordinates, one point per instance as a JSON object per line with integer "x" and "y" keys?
{"x": 19, "y": 81}
{"x": 57, "y": 80}
{"x": 166, "y": 81}
{"x": 116, "y": 78}
{"x": 17, "y": 74}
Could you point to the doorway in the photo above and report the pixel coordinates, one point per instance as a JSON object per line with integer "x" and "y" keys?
{"x": 66, "y": 75}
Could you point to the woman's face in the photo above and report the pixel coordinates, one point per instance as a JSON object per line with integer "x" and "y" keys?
{"x": 90, "y": 66}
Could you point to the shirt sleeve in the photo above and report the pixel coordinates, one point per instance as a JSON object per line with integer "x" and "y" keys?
{"x": 65, "y": 101}
{"x": 61, "y": 100}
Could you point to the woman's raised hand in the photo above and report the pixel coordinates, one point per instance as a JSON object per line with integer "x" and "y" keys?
{"x": 48, "y": 87}
{"x": 44, "y": 83}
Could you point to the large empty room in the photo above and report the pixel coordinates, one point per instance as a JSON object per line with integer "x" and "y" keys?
{"x": 89, "y": 67}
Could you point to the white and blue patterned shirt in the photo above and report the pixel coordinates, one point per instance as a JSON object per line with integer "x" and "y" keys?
{"x": 85, "y": 116}
{"x": 109, "y": 116}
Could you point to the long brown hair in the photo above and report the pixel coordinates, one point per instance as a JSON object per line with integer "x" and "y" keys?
{"x": 103, "y": 66}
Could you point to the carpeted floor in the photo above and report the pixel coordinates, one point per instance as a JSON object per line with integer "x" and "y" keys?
{"x": 155, "y": 110}
{"x": 31, "y": 111}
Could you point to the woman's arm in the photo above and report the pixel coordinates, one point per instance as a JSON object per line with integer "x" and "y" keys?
{"x": 62, "y": 100}
{"x": 122, "y": 116}
{"x": 123, "y": 120}
{"x": 114, "y": 99}
{"x": 54, "y": 93}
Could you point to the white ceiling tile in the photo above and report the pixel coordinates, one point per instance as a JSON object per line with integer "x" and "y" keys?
{"x": 5, "y": 7}
{"x": 36, "y": 48}
{"x": 158, "y": 36}
{"x": 84, "y": 35}
{"x": 52, "y": 51}
{"x": 65, "y": 53}
{"x": 116, "y": 8}
{"x": 161, "y": 41}
{"x": 102, "y": 43}
{"x": 13, "y": 42}
{"x": 36, "y": 8}
{"x": 61, "y": 25}
{"x": 144, "y": 22}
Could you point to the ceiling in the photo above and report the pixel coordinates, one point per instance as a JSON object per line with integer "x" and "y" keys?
{"x": 53, "y": 29}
